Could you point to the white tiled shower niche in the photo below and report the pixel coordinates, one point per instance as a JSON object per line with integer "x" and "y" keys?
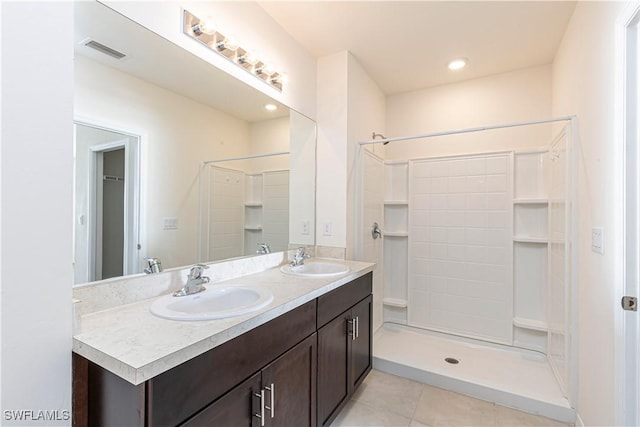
{"x": 465, "y": 246}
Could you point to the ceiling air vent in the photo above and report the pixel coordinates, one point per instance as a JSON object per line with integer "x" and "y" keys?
{"x": 104, "y": 49}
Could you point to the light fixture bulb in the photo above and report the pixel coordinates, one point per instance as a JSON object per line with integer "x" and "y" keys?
{"x": 229, "y": 43}
{"x": 458, "y": 64}
{"x": 248, "y": 58}
{"x": 268, "y": 69}
{"x": 204, "y": 27}
{"x": 270, "y": 107}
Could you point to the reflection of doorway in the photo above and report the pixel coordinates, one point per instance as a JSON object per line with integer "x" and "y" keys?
{"x": 110, "y": 182}
{"x": 107, "y": 203}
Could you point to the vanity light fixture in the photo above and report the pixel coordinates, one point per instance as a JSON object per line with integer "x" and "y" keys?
{"x": 458, "y": 64}
{"x": 225, "y": 45}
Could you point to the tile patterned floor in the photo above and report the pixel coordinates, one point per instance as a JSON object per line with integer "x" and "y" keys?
{"x": 388, "y": 400}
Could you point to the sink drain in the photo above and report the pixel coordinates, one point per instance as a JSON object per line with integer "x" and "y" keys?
{"x": 452, "y": 360}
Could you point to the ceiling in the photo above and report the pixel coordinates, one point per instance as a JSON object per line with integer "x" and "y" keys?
{"x": 406, "y": 45}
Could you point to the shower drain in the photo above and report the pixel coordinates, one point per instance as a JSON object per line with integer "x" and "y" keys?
{"x": 452, "y": 360}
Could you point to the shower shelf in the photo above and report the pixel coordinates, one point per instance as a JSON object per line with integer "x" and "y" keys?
{"x": 396, "y": 202}
{"x": 530, "y": 201}
{"x": 253, "y": 204}
{"x": 396, "y": 234}
{"x": 253, "y": 227}
{"x": 535, "y": 325}
{"x": 528, "y": 239}
{"x": 394, "y": 302}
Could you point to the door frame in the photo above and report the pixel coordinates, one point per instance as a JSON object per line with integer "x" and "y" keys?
{"x": 134, "y": 230}
{"x": 627, "y": 324}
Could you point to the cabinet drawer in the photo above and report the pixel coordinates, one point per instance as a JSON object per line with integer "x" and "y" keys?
{"x": 184, "y": 390}
{"x": 339, "y": 300}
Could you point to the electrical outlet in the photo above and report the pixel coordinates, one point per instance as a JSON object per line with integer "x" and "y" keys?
{"x": 597, "y": 240}
{"x": 326, "y": 229}
{"x": 304, "y": 229}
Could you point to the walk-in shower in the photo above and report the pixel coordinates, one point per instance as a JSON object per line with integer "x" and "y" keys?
{"x": 474, "y": 288}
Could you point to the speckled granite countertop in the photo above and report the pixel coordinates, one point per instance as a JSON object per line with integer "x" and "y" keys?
{"x": 136, "y": 345}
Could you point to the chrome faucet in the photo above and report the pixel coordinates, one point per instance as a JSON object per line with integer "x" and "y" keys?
{"x": 263, "y": 248}
{"x": 153, "y": 266}
{"x": 195, "y": 281}
{"x": 299, "y": 257}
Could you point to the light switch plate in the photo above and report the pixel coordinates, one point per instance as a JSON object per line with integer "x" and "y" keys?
{"x": 326, "y": 229}
{"x": 304, "y": 229}
{"x": 597, "y": 240}
{"x": 169, "y": 223}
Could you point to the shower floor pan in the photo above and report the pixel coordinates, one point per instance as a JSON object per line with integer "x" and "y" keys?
{"x": 516, "y": 378}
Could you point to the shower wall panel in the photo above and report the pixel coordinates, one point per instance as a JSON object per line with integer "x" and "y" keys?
{"x": 559, "y": 291}
{"x": 372, "y": 211}
{"x": 226, "y": 210}
{"x": 275, "y": 215}
{"x": 460, "y": 251}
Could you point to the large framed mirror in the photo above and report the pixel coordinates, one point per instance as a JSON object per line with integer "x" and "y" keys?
{"x": 160, "y": 136}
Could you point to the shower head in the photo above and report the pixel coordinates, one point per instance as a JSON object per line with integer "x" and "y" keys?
{"x": 374, "y": 135}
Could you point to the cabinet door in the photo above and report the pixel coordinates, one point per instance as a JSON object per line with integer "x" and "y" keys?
{"x": 236, "y": 408}
{"x": 290, "y": 386}
{"x": 361, "y": 346}
{"x": 333, "y": 367}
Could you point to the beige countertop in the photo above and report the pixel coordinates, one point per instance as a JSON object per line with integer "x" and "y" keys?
{"x": 136, "y": 345}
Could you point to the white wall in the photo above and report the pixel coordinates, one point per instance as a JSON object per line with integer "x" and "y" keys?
{"x": 332, "y": 140}
{"x": 36, "y": 276}
{"x": 180, "y": 134}
{"x": 510, "y": 97}
{"x": 366, "y": 109}
{"x": 252, "y": 27}
{"x": 584, "y": 73}
{"x": 302, "y": 185}
{"x": 269, "y": 136}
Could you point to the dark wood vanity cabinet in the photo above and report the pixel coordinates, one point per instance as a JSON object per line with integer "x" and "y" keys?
{"x": 301, "y": 367}
{"x": 344, "y": 345}
{"x": 281, "y": 394}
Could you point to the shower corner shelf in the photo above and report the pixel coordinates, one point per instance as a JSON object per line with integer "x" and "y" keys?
{"x": 396, "y": 202}
{"x": 394, "y": 302}
{"x": 531, "y": 201}
{"x": 535, "y": 325}
{"x": 253, "y": 227}
{"x": 529, "y": 239}
{"x": 396, "y": 234}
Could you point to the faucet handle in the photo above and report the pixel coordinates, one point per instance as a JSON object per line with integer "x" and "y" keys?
{"x": 196, "y": 271}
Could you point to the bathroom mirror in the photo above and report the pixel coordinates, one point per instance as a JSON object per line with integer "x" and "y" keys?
{"x": 151, "y": 127}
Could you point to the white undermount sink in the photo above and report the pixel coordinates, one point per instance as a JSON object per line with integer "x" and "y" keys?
{"x": 316, "y": 269}
{"x": 216, "y": 302}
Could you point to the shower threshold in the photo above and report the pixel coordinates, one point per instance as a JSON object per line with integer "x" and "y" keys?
{"x": 520, "y": 379}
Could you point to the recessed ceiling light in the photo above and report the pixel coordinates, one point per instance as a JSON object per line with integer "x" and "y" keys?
{"x": 458, "y": 64}
{"x": 270, "y": 107}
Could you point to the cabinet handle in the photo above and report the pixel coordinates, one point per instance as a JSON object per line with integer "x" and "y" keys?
{"x": 272, "y": 400}
{"x": 357, "y": 327}
{"x": 352, "y": 326}
{"x": 261, "y": 414}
